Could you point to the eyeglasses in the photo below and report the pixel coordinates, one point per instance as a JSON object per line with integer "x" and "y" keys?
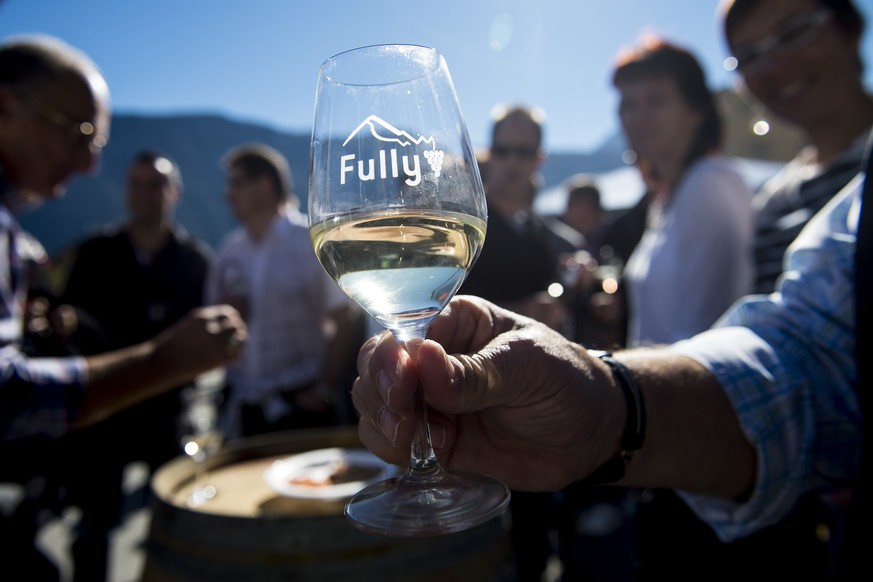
{"x": 793, "y": 34}
{"x": 79, "y": 134}
{"x": 525, "y": 152}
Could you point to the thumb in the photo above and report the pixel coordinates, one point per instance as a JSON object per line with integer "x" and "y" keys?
{"x": 454, "y": 384}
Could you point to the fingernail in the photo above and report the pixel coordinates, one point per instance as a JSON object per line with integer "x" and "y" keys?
{"x": 386, "y": 385}
{"x": 389, "y": 423}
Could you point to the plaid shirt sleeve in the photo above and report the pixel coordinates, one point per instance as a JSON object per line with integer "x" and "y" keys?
{"x": 786, "y": 362}
{"x": 38, "y": 396}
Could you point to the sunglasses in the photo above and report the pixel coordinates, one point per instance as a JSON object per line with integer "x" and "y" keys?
{"x": 78, "y": 134}
{"x": 525, "y": 152}
{"x": 793, "y": 34}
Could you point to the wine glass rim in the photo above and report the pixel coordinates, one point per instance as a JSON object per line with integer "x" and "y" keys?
{"x": 330, "y": 61}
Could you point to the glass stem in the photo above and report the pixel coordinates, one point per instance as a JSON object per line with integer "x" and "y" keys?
{"x": 423, "y": 463}
{"x": 200, "y": 475}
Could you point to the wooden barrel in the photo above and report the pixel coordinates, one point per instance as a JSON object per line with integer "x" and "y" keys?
{"x": 249, "y": 533}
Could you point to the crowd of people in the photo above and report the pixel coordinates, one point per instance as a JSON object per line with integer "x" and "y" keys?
{"x": 743, "y": 422}
{"x": 56, "y": 115}
{"x": 737, "y": 320}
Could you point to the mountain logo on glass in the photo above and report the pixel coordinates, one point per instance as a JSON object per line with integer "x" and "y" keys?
{"x": 389, "y": 163}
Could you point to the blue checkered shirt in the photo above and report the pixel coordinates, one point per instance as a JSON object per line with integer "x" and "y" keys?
{"x": 38, "y": 396}
{"x": 786, "y": 361}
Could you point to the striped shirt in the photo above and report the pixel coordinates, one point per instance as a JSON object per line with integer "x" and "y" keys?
{"x": 38, "y": 396}
{"x": 786, "y": 362}
{"x": 787, "y": 201}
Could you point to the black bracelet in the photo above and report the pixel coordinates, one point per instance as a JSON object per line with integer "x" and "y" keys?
{"x": 635, "y": 426}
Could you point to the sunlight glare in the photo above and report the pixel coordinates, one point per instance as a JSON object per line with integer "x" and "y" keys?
{"x": 761, "y": 127}
{"x": 501, "y": 32}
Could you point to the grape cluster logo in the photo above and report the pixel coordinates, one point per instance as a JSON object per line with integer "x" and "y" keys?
{"x": 390, "y": 162}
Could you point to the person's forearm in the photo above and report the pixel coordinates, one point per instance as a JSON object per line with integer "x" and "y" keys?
{"x": 693, "y": 439}
{"x": 205, "y": 339}
{"x": 124, "y": 377}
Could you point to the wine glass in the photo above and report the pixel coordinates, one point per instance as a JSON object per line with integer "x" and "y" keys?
{"x": 199, "y": 432}
{"x": 397, "y": 217}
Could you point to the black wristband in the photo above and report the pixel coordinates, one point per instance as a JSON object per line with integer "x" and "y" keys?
{"x": 635, "y": 425}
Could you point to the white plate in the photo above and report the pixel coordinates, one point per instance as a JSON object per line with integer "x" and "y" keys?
{"x": 309, "y": 475}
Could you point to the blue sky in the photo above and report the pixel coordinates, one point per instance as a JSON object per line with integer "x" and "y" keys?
{"x": 258, "y": 60}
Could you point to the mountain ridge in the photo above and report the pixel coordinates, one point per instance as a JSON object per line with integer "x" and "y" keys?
{"x": 197, "y": 142}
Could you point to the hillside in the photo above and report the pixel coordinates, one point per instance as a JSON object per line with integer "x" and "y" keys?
{"x": 197, "y": 143}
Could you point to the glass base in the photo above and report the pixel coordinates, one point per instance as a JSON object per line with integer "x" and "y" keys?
{"x": 407, "y": 507}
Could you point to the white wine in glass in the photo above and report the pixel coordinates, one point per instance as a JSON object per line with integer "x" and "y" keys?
{"x": 397, "y": 217}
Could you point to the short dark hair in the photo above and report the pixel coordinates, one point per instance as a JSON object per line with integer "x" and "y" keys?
{"x": 150, "y": 157}
{"x": 658, "y": 58}
{"x": 502, "y": 114}
{"x": 846, "y": 16}
{"x": 583, "y": 186}
{"x": 258, "y": 159}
